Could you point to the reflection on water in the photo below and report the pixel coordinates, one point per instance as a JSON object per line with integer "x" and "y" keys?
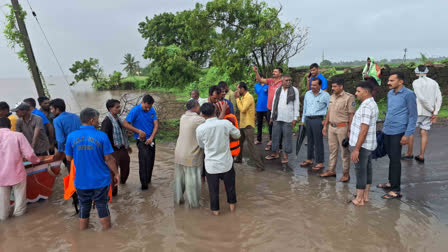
{"x": 276, "y": 211}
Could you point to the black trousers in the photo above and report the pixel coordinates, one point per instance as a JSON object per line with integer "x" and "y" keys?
{"x": 146, "y": 156}
{"x": 213, "y": 187}
{"x": 123, "y": 161}
{"x": 260, "y": 117}
{"x": 393, "y": 149}
{"x": 315, "y": 139}
{"x": 270, "y": 125}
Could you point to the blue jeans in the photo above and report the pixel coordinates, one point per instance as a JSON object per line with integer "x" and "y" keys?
{"x": 99, "y": 195}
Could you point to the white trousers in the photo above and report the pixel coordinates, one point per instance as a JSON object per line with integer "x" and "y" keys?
{"x": 19, "y": 199}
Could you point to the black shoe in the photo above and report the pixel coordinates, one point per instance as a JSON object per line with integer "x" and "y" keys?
{"x": 237, "y": 161}
{"x": 406, "y": 157}
{"x": 144, "y": 187}
{"x": 419, "y": 159}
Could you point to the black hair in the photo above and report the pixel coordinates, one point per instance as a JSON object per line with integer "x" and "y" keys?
{"x": 279, "y": 69}
{"x": 208, "y": 109}
{"x": 191, "y": 104}
{"x": 30, "y": 101}
{"x": 58, "y": 103}
{"x": 319, "y": 81}
{"x": 338, "y": 81}
{"x": 195, "y": 90}
{"x": 87, "y": 114}
{"x": 365, "y": 85}
{"x": 5, "y": 123}
{"x": 4, "y": 106}
{"x": 421, "y": 68}
{"x": 111, "y": 103}
{"x": 242, "y": 85}
{"x": 42, "y": 99}
{"x": 400, "y": 75}
{"x": 222, "y": 84}
{"x": 213, "y": 89}
{"x": 148, "y": 99}
{"x": 314, "y": 65}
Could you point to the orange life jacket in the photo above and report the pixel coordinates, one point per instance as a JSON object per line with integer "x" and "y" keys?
{"x": 234, "y": 145}
{"x": 69, "y": 183}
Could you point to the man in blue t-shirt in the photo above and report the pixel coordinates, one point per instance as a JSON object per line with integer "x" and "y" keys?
{"x": 91, "y": 152}
{"x": 262, "y": 109}
{"x": 315, "y": 74}
{"x": 142, "y": 120}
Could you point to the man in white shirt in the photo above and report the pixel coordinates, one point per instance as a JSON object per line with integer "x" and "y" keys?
{"x": 363, "y": 141}
{"x": 429, "y": 101}
{"x": 213, "y": 137}
{"x": 285, "y": 111}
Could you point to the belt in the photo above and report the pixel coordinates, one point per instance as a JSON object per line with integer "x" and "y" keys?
{"x": 338, "y": 125}
{"x": 315, "y": 117}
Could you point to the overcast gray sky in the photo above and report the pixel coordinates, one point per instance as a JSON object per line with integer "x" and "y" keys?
{"x": 345, "y": 30}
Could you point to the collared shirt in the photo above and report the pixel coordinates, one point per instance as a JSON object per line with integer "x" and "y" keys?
{"x": 367, "y": 113}
{"x": 230, "y": 96}
{"x": 401, "y": 112}
{"x": 273, "y": 85}
{"x": 287, "y": 112}
{"x": 27, "y": 128}
{"x": 65, "y": 124}
{"x": 213, "y": 137}
{"x": 142, "y": 120}
{"x": 246, "y": 105}
{"x": 322, "y": 78}
{"x": 429, "y": 97}
{"x": 187, "y": 152}
{"x": 262, "y": 100}
{"x": 88, "y": 146}
{"x": 13, "y": 119}
{"x": 315, "y": 105}
{"x": 230, "y": 106}
{"x": 41, "y": 114}
{"x": 341, "y": 106}
{"x": 14, "y": 146}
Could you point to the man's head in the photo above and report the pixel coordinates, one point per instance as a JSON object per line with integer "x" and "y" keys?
{"x": 30, "y": 102}
{"x": 337, "y": 85}
{"x": 113, "y": 106}
{"x": 368, "y": 60}
{"x": 195, "y": 94}
{"x": 242, "y": 88}
{"x": 44, "y": 103}
{"x": 214, "y": 94}
{"x": 147, "y": 103}
{"x": 316, "y": 84}
{"x": 277, "y": 72}
{"x": 5, "y": 123}
{"x": 314, "y": 69}
{"x": 4, "y": 109}
{"x": 90, "y": 117}
{"x": 57, "y": 106}
{"x": 224, "y": 88}
{"x": 22, "y": 110}
{"x": 364, "y": 90}
{"x": 421, "y": 70}
{"x": 193, "y": 106}
{"x": 286, "y": 81}
{"x": 208, "y": 110}
{"x": 396, "y": 80}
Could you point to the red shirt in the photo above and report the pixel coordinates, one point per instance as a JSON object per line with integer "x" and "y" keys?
{"x": 273, "y": 86}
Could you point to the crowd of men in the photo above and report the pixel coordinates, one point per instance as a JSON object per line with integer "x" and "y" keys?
{"x": 211, "y": 138}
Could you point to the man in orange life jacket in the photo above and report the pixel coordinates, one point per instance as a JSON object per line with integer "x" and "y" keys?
{"x": 246, "y": 105}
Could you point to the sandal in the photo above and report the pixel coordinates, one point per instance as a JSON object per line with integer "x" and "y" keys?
{"x": 390, "y": 196}
{"x": 284, "y": 161}
{"x": 267, "y": 148}
{"x": 318, "y": 168}
{"x": 384, "y": 186}
{"x": 306, "y": 164}
{"x": 270, "y": 157}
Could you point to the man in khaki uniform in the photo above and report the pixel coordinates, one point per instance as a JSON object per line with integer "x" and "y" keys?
{"x": 339, "y": 118}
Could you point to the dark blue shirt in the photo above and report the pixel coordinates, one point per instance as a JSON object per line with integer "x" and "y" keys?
{"x": 322, "y": 78}
{"x": 401, "y": 112}
{"x": 230, "y": 106}
{"x": 262, "y": 100}
{"x": 42, "y": 115}
{"x": 65, "y": 124}
{"x": 142, "y": 120}
{"x": 88, "y": 146}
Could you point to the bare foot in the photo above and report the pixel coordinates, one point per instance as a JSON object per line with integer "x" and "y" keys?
{"x": 358, "y": 202}
{"x": 215, "y": 213}
{"x": 232, "y": 207}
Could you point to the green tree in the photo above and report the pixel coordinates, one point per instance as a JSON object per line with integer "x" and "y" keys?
{"x": 131, "y": 66}
{"x": 87, "y": 69}
{"x": 325, "y": 63}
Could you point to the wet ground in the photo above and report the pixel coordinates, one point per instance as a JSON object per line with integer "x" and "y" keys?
{"x": 278, "y": 210}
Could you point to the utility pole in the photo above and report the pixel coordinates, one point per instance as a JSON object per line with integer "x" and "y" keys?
{"x": 404, "y": 57}
{"x": 28, "y": 49}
